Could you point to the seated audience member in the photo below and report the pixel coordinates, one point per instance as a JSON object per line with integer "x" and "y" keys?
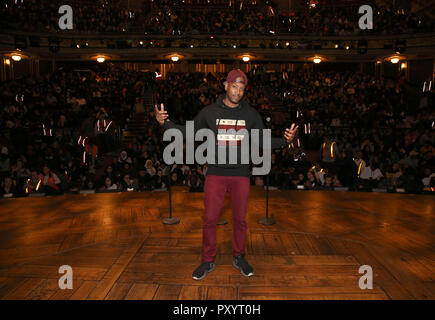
{"x": 311, "y": 182}
{"x": 49, "y": 181}
{"x": 109, "y": 185}
{"x": 8, "y": 187}
{"x": 160, "y": 181}
{"x": 328, "y": 185}
{"x": 371, "y": 175}
{"x": 176, "y": 180}
{"x": 145, "y": 181}
{"x": 128, "y": 184}
{"x": 300, "y": 181}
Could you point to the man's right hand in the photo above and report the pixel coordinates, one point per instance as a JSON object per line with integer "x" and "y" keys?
{"x": 161, "y": 114}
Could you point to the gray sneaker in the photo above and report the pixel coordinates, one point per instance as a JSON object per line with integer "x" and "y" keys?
{"x": 202, "y": 270}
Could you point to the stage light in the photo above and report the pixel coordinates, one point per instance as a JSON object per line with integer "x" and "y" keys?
{"x": 317, "y": 60}
{"x": 175, "y": 58}
{"x": 336, "y": 46}
{"x": 246, "y": 58}
{"x": 394, "y": 60}
{"x": 287, "y": 43}
{"x": 16, "y": 57}
{"x": 347, "y": 47}
{"x": 100, "y": 59}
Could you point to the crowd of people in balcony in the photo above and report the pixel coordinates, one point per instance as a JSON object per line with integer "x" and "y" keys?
{"x": 184, "y": 17}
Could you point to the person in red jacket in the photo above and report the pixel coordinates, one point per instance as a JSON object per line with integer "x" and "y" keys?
{"x": 50, "y": 182}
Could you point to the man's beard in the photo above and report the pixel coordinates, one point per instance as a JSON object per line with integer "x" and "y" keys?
{"x": 230, "y": 98}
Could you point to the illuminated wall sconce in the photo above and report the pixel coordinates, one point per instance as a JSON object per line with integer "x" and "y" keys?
{"x": 7, "y": 61}
{"x": 403, "y": 65}
{"x": 395, "y": 58}
{"x": 245, "y": 57}
{"x": 317, "y": 59}
{"x": 100, "y": 57}
{"x": 16, "y": 57}
{"x": 174, "y": 57}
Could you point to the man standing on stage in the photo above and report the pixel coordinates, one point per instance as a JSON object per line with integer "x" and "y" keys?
{"x": 229, "y": 111}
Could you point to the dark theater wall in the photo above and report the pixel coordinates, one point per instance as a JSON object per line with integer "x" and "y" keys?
{"x": 421, "y": 70}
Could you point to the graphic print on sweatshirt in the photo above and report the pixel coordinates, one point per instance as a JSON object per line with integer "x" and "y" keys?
{"x": 226, "y": 137}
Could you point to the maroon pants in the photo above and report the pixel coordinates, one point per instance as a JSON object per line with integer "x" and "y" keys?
{"x": 215, "y": 189}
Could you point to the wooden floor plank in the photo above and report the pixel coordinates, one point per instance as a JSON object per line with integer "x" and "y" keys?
{"x": 167, "y": 292}
{"x": 140, "y": 291}
{"x": 119, "y": 291}
{"x": 193, "y": 293}
{"x": 221, "y": 293}
{"x": 83, "y": 291}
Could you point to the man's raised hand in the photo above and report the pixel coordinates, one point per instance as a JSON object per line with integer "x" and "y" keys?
{"x": 290, "y": 134}
{"x": 161, "y": 114}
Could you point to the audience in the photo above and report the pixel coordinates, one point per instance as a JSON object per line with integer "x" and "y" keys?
{"x": 375, "y": 145}
{"x": 186, "y": 17}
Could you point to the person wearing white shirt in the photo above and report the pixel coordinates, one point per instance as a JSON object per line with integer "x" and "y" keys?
{"x": 372, "y": 174}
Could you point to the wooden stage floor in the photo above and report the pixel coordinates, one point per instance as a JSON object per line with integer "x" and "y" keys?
{"x": 118, "y": 247}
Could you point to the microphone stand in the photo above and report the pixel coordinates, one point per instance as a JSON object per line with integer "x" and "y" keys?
{"x": 170, "y": 219}
{"x": 267, "y": 221}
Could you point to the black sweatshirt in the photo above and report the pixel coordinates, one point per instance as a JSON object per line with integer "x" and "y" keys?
{"x": 219, "y": 116}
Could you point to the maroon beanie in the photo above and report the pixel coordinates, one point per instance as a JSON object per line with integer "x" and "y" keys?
{"x": 234, "y": 74}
